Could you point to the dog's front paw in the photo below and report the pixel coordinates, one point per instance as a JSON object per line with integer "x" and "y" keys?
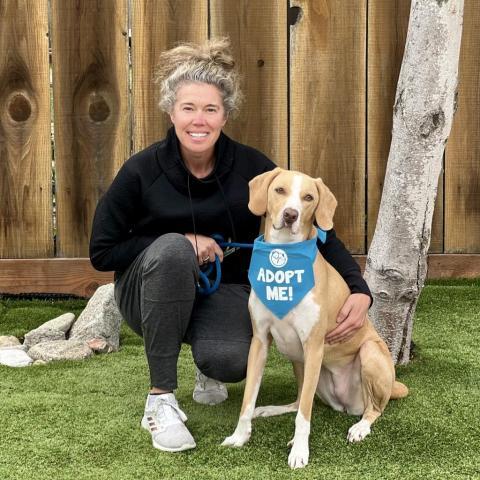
{"x": 299, "y": 454}
{"x": 240, "y": 436}
{"x": 236, "y": 440}
{"x": 359, "y": 431}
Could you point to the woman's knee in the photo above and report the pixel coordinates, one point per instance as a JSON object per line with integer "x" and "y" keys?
{"x": 171, "y": 252}
{"x": 223, "y": 361}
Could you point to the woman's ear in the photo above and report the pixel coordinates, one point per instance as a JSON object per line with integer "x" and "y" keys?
{"x": 327, "y": 203}
{"x": 258, "y": 191}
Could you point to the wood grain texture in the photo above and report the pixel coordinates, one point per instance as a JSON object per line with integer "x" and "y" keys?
{"x": 327, "y": 109}
{"x": 76, "y": 276}
{"x": 462, "y": 165}
{"x": 25, "y": 149}
{"x": 258, "y": 32}
{"x": 67, "y": 276}
{"x": 158, "y": 25}
{"x": 387, "y": 31}
{"x": 90, "y": 58}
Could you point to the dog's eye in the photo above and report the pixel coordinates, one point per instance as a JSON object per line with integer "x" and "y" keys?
{"x": 280, "y": 190}
{"x": 308, "y": 198}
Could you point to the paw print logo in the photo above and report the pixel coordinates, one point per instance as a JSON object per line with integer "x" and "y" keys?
{"x": 278, "y": 258}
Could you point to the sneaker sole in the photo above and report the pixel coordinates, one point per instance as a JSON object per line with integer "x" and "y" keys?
{"x": 185, "y": 446}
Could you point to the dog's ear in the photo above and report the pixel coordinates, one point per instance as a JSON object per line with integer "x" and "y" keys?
{"x": 258, "y": 191}
{"x": 327, "y": 203}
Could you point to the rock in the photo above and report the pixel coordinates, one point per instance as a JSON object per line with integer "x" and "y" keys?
{"x": 100, "y": 319}
{"x": 16, "y": 347}
{"x": 54, "y": 329}
{"x": 99, "y": 345}
{"x": 14, "y": 357}
{"x": 41, "y": 335}
{"x": 63, "y": 322}
{"x": 8, "y": 341}
{"x": 60, "y": 350}
{"x": 39, "y": 362}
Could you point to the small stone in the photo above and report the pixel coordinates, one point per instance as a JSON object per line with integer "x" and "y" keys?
{"x": 60, "y": 350}
{"x": 15, "y": 347}
{"x": 14, "y": 357}
{"x": 99, "y": 345}
{"x": 8, "y": 341}
{"x": 39, "y": 362}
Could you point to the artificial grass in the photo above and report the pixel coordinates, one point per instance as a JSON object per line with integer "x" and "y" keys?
{"x": 80, "y": 420}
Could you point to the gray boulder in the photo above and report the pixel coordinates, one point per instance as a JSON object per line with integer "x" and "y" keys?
{"x": 100, "y": 319}
{"x": 55, "y": 329}
{"x": 60, "y": 350}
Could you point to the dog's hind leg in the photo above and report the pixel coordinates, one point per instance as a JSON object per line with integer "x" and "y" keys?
{"x": 272, "y": 410}
{"x": 377, "y": 377}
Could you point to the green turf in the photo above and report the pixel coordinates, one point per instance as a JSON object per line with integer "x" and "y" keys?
{"x": 80, "y": 420}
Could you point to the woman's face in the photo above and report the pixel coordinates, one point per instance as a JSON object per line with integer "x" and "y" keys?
{"x": 198, "y": 116}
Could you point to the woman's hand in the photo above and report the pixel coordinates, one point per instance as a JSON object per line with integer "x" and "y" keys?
{"x": 207, "y": 248}
{"x": 350, "y": 318}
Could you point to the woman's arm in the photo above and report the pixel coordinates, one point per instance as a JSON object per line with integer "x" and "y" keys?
{"x": 113, "y": 246}
{"x": 353, "y": 313}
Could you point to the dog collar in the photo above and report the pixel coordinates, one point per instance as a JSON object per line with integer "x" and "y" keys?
{"x": 281, "y": 274}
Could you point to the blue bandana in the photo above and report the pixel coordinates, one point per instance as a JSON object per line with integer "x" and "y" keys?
{"x": 281, "y": 274}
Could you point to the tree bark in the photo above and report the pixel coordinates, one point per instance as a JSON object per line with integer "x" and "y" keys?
{"x": 422, "y": 118}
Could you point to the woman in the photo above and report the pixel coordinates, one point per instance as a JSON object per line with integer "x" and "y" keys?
{"x": 153, "y": 227}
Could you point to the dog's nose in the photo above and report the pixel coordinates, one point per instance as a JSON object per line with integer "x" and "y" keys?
{"x": 290, "y": 215}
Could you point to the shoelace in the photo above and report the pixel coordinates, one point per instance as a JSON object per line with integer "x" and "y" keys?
{"x": 162, "y": 412}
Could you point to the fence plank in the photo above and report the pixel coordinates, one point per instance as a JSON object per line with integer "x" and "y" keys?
{"x": 25, "y": 149}
{"x": 462, "y": 166}
{"x": 158, "y": 25}
{"x": 327, "y": 85}
{"x": 259, "y": 41}
{"x": 90, "y": 58}
{"x": 387, "y": 31}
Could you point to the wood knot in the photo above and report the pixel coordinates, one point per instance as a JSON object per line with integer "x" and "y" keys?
{"x": 19, "y": 108}
{"x": 98, "y": 108}
{"x": 260, "y": 63}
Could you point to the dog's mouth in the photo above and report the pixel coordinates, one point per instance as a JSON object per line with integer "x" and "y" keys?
{"x": 287, "y": 226}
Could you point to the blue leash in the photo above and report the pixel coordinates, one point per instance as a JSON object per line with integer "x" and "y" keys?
{"x": 205, "y": 285}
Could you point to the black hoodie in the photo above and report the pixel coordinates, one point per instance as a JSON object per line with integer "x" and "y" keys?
{"x": 150, "y": 196}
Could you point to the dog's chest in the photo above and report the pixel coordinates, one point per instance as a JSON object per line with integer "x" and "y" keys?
{"x": 291, "y": 331}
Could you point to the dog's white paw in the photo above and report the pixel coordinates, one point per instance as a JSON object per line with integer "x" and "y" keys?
{"x": 240, "y": 436}
{"x": 236, "y": 440}
{"x": 299, "y": 454}
{"x": 359, "y": 431}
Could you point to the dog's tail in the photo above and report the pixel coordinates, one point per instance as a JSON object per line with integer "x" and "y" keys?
{"x": 399, "y": 390}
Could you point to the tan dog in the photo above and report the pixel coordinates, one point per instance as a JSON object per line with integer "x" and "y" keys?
{"x": 356, "y": 376}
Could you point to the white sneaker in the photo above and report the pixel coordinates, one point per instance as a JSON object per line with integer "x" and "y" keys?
{"x": 208, "y": 391}
{"x": 165, "y": 422}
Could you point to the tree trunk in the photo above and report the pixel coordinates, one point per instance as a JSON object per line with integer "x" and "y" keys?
{"x": 422, "y": 118}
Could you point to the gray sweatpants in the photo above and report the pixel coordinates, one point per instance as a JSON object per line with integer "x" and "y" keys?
{"x": 157, "y": 297}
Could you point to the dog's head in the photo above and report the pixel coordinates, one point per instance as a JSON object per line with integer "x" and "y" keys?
{"x": 291, "y": 201}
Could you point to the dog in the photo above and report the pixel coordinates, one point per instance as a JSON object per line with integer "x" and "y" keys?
{"x": 356, "y": 376}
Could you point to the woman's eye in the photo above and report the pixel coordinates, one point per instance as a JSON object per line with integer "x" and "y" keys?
{"x": 308, "y": 197}
{"x": 280, "y": 190}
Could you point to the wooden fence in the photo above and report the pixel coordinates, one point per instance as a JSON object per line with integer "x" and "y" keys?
{"x": 77, "y": 98}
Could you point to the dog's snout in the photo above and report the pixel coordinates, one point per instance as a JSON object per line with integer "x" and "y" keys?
{"x": 290, "y": 215}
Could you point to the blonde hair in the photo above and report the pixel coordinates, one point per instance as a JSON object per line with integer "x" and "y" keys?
{"x": 211, "y": 62}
